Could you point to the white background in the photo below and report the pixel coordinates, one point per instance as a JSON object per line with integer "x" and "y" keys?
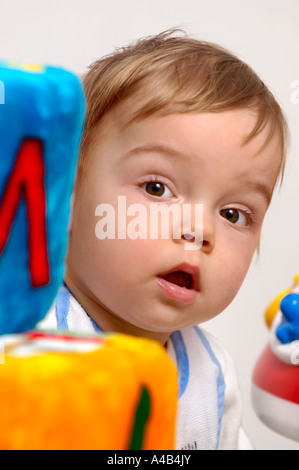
{"x": 264, "y": 33}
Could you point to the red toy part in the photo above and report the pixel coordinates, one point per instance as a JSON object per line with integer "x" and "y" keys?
{"x": 275, "y": 394}
{"x": 277, "y": 378}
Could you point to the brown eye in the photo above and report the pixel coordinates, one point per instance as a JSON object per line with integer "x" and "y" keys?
{"x": 230, "y": 214}
{"x": 234, "y": 216}
{"x": 155, "y": 188}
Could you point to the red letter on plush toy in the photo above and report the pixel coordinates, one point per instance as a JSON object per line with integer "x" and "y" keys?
{"x": 28, "y": 176}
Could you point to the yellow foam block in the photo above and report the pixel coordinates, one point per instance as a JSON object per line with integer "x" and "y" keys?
{"x": 66, "y": 392}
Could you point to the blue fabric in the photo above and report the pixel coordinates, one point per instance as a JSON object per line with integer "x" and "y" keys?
{"x": 182, "y": 360}
{"x": 220, "y": 379}
{"x": 62, "y": 307}
{"x": 47, "y": 105}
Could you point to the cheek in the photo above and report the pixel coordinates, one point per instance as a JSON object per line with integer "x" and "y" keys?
{"x": 121, "y": 263}
{"x": 230, "y": 271}
{"x": 240, "y": 261}
{"x": 104, "y": 260}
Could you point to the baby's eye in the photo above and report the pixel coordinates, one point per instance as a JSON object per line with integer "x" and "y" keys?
{"x": 155, "y": 188}
{"x": 235, "y": 217}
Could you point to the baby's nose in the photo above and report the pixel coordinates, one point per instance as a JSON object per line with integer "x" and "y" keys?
{"x": 189, "y": 229}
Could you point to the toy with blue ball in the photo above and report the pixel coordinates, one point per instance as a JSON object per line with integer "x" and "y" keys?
{"x": 275, "y": 379}
{"x": 288, "y": 330}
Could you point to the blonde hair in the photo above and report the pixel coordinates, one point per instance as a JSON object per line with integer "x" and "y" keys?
{"x": 178, "y": 74}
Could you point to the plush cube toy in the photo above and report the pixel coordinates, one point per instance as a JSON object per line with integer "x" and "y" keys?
{"x": 69, "y": 392}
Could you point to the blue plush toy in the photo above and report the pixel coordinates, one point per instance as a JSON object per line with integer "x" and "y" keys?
{"x": 41, "y": 122}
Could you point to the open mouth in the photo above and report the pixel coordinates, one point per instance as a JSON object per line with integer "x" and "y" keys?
{"x": 180, "y": 278}
{"x": 181, "y": 283}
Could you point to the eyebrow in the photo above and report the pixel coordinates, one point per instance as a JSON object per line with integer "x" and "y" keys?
{"x": 260, "y": 188}
{"x": 155, "y": 147}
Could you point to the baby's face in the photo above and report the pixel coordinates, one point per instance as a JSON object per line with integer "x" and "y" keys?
{"x": 192, "y": 159}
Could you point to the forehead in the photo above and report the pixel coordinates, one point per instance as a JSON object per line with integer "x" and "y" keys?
{"x": 229, "y": 128}
{"x": 209, "y": 139}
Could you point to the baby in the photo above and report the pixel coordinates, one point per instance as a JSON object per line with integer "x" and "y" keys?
{"x": 181, "y": 123}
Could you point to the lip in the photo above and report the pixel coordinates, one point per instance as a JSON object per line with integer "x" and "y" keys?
{"x": 180, "y": 293}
